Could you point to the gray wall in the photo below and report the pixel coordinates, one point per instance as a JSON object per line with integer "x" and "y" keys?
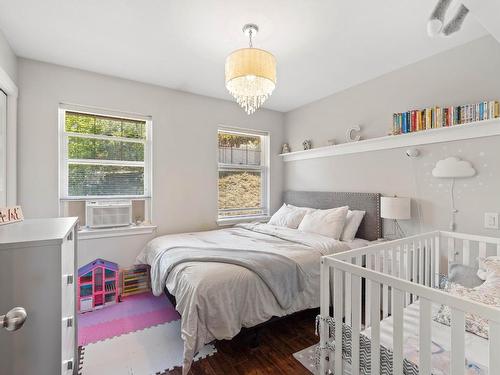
{"x": 465, "y": 74}
{"x": 8, "y": 60}
{"x": 184, "y": 147}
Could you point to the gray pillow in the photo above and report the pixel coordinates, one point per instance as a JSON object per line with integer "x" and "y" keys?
{"x": 464, "y": 275}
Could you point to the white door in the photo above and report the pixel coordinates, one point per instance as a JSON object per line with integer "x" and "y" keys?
{"x": 3, "y": 149}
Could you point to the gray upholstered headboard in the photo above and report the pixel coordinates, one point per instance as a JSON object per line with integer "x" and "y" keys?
{"x": 371, "y": 226}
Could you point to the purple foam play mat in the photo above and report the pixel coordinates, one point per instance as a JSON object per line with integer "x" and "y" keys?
{"x": 134, "y": 313}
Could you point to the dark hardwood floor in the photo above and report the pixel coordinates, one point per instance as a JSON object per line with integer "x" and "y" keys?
{"x": 278, "y": 341}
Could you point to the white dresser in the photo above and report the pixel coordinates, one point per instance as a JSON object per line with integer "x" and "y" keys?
{"x": 37, "y": 272}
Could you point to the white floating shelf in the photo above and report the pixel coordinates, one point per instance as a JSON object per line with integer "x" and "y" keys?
{"x": 471, "y": 130}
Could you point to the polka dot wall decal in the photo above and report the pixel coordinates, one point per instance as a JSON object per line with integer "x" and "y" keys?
{"x": 482, "y": 153}
{"x": 485, "y": 165}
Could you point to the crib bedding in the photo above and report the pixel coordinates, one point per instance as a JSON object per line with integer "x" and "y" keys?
{"x": 217, "y": 299}
{"x": 476, "y": 348}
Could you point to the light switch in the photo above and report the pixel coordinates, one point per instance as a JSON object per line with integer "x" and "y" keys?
{"x": 491, "y": 220}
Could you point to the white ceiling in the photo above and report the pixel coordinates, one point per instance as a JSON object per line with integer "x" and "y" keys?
{"x": 322, "y": 46}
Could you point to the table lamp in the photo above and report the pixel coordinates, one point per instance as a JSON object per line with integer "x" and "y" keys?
{"x": 395, "y": 208}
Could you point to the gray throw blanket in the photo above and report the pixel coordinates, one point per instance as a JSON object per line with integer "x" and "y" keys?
{"x": 284, "y": 277}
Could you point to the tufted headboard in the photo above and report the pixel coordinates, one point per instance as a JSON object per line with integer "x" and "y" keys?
{"x": 371, "y": 226}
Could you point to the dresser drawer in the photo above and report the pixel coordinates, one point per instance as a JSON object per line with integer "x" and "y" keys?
{"x": 67, "y": 298}
{"x": 68, "y": 254}
{"x": 68, "y": 344}
{"x": 68, "y": 367}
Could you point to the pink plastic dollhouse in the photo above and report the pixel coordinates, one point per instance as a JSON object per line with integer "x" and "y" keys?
{"x": 97, "y": 285}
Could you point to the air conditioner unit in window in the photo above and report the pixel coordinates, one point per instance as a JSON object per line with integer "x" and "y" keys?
{"x": 108, "y": 213}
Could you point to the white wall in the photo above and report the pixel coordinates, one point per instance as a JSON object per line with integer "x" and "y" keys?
{"x": 184, "y": 147}
{"x": 466, "y": 74}
{"x": 8, "y": 60}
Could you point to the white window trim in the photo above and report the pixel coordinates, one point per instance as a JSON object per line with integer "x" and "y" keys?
{"x": 223, "y": 222}
{"x": 63, "y": 151}
{"x": 92, "y": 234}
{"x": 265, "y": 173}
{"x": 88, "y": 233}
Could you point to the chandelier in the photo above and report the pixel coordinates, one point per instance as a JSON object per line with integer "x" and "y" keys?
{"x": 250, "y": 74}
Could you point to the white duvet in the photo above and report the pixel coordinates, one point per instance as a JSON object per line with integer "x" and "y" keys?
{"x": 216, "y": 300}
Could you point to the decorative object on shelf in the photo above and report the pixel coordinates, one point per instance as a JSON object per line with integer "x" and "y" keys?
{"x": 437, "y": 117}
{"x": 250, "y": 74}
{"x": 11, "y": 215}
{"x": 331, "y": 142}
{"x": 395, "y": 208}
{"x": 349, "y": 134}
{"x": 307, "y": 144}
{"x": 475, "y": 130}
{"x": 436, "y": 26}
{"x": 453, "y": 168}
{"x": 285, "y": 149}
{"x": 97, "y": 285}
{"x": 135, "y": 280}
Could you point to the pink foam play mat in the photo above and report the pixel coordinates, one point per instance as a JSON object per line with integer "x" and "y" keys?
{"x": 134, "y": 313}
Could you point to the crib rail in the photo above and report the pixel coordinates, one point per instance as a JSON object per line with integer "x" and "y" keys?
{"x": 369, "y": 284}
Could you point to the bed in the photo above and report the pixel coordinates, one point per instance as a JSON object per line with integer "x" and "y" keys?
{"x": 217, "y": 298}
{"x": 391, "y": 298}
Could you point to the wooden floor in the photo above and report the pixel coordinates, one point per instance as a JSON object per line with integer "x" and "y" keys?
{"x": 278, "y": 341}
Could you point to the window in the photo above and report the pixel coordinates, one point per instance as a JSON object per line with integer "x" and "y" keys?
{"x": 104, "y": 156}
{"x": 243, "y": 173}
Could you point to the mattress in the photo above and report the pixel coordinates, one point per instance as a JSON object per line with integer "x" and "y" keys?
{"x": 476, "y": 348}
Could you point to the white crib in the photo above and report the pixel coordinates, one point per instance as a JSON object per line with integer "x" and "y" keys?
{"x": 378, "y": 281}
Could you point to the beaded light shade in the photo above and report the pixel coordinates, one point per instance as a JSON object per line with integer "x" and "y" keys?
{"x": 250, "y": 74}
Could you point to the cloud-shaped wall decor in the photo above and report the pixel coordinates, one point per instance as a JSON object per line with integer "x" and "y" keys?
{"x": 453, "y": 167}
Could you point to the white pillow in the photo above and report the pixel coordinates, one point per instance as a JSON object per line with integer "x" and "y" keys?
{"x": 352, "y": 222}
{"x": 329, "y": 223}
{"x": 306, "y": 209}
{"x": 288, "y": 216}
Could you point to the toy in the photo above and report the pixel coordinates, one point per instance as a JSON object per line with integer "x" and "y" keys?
{"x": 135, "y": 280}
{"x": 97, "y": 285}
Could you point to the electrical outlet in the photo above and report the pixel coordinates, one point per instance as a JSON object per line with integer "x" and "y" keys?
{"x": 491, "y": 220}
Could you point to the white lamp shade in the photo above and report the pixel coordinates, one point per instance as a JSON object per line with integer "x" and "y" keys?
{"x": 397, "y": 208}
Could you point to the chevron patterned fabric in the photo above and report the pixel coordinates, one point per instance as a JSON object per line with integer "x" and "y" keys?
{"x": 409, "y": 368}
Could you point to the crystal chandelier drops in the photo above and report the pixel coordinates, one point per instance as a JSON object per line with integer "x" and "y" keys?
{"x": 250, "y": 74}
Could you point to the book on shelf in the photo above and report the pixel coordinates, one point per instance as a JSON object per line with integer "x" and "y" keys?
{"x": 437, "y": 117}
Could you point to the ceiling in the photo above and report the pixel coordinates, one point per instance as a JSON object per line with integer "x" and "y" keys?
{"x": 322, "y": 46}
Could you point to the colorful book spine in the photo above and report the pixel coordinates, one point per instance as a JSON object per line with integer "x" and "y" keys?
{"x": 437, "y": 117}
{"x": 428, "y": 115}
